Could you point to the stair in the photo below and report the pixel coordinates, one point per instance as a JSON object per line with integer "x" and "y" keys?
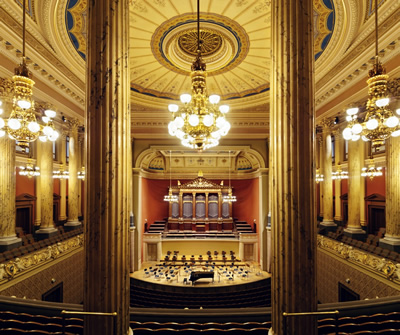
{"x": 157, "y": 227}
{"x": 243, "y": 227}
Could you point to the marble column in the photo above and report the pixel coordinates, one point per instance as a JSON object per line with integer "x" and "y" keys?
{"x": 81, "y": 167}
{"x": 38, "y": 189}
{"x": 327, "y": 172}
{"x": 338, "y": 182}
{"x": 292, "y": 132}
{"x": 320, "y": 168}
{"x": 63, "y": 182}
{"x": 45, "y": 160}
{"x": 263, "y": 214}
{"x": 73, "y": 181}
{"x": 136, "y": 206}
{"x": 8, "y": 238}
{"x": 363, "y": 215}
{"x": 108, "y": 167}
{"x": 353, "y": 228}
{"x": 392, "y": 236}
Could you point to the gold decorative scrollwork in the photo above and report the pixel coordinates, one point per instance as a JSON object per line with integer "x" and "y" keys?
{"x": 210, "y": 40}
{"x": 389, "y": 269}
{"x": 11, "y": 269}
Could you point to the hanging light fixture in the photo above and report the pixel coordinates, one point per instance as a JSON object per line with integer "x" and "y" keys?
{"x": 340, "y": 174}
{"x": 170, "y": 197}
{"x": 199, "y": 123}
{"x": 229, "y": 197}
{"x": 61, "y": 174}
{"x": 371, "y": 171}
{"x": 22, "y": 125}
{"x": 379, "y": 123}
{"x": 29, "y": 170}
{"x": 319, "y": 177}
{"x": 81, "y": 174}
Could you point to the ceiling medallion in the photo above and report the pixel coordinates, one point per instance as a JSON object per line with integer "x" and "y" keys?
{"x": 211, "y": 42}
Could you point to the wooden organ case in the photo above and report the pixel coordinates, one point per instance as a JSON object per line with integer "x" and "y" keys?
{"x": 200, "y": 207}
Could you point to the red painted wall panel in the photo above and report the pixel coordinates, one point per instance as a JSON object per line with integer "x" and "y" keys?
{"x": 24, "y": 184}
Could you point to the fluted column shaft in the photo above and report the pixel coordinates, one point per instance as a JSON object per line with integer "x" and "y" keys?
{"x": 108, "y": 160}
{"x": 327, "y": 172}
{"x": 63, "y": 181}
{"x": 320, "y": 162}
{"x": 291, "y": 167}
{"x": 392, "y": 235}
{"x": 73, "y": 193}
{"x": 363, "y": 218}
{"x": 81, "y": 167}
{"x": 338, "y": 182}
{"x": 262, "y": 226}
{"x": 354, "y": 205}
{"x": 38, "y": 188}
{"x": 8, "y": 238}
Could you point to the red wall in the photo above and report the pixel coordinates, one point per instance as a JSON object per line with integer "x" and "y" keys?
{"x": 377, "y": 185}
{"x": 24, "y": 185}
{"x": 245, "y": 209}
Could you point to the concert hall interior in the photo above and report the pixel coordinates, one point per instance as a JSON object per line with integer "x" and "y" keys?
{"x": 199, "y": 166}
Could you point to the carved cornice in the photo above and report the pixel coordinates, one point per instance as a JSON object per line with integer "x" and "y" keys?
{"x": 20, "y": 266}
{"x": 381, "y": 267}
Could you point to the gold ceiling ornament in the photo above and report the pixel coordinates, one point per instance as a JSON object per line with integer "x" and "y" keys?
{"x": 379, "y": 122}
{"x": 199, "y": 123}
{"x": 371, "y": 171}
{"x": 29, "y": 170}
{"x": 229, "y": 197}
{"x": 211, "y": 42}
{"x": 21, "y": 124}
{"x": 170, "y": 197}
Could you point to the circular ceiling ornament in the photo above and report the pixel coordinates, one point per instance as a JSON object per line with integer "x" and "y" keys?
{"x": 225, "y": 43}
{"x": 210, "y": 42}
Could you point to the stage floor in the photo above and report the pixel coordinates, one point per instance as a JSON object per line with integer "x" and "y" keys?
{"x": 178, "y": 274}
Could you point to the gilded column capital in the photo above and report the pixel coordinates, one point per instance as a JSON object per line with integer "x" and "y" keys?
{"x": 73, "y": 125}
{"x": 327, "y": 124}
{"x": 6, "y": 89}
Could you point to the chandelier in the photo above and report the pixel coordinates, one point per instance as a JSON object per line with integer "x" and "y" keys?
{"x": 81, "y": 174}
{"x": 371, "y": 171}
{"x": 319, "y": 177}
{"x": 170, "y": 197}
{"x": 22, "y": 125}
{"x": 229, "y": 197}
{"x": 29, "y": 170}
{"x": 379, "y": 123}
{"x": 61, "y": 174}
{"x": 199, "y": 123}
{"x": 339, "y": 174}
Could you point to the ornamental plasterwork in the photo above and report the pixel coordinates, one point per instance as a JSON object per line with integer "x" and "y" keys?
{"x": 381, "y": 266}
{"x": 201, "y": 183}
{"x": 24, "y": 264}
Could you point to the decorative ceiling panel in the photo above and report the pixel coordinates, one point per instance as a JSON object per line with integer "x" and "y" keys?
{"x": 236, "y": 36}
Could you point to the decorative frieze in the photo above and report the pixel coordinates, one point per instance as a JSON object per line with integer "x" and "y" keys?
{"x": 378, "y": 265}
{"x": 19, "y": 266}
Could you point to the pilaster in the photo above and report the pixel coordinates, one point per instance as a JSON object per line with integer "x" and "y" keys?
{"x": 338, "y": 182}
{"x": 108, "y": 167}
{"x": 292, "y": 131}
{"x": 62, "y": 146}
{"x": 264, "y": 210}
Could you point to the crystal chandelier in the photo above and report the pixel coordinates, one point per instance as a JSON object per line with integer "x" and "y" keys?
{"x": 371, "y": 171}
{"x": 229, "y": 197}
{"x": 199, "y": 123}
{"x": 29, "y": 170}
{"x": 22, "y": 125}
{"x": 170, "y": 197}
{"x": 339, "y": 174}
{"x": 379, "y": 123}
{"x": 61, "y": 174}
{"x": 319, "y": 177}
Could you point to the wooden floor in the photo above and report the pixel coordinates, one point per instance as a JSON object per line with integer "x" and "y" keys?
{"x": 177, "y": 273}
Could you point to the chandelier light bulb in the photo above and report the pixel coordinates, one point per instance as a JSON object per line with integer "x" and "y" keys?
{"x": 43, "y": 138}
{"x": 180, "y": 134}
{"x": 356, "y": 129}
{"x": 14, "y": 124}
{"x": 392, "y": 121}
{"x": 355, "y": 137}
{"x": 2, "y": 123}
{"x": 53, "y": 137}
{"x": 179, "y": 122}
{"x": 398, "y": 111}
{"x": 45, "y": 119}
{"x": 2, "y": 133}
{"x": 364, "y": 138}
{"x": 173, "y": 108}
{"x": 50, "y": 113}
{"x": 1, "y": 102}
{"x": 193, "y": 120}
{"x": 214, "y": 99}
{"x": 372, "y": 124}
{"x": 349, "y": 118}
{"x": 352, "y": 111}
{"x": 396, "y": 133}
{"x": 33, "y": 127}
{"x": 208, "y": 120}
{"x": 224, "y": 109}
{"x": 24, "y": 104}
{"x": 186, "y": 98}
{"x": 172, "y": 128}
{"x": 47, "y": 130}
{"x": 347, "y": 134}
{"x": 1, "y": 110}
{"x": 382, "y": 102}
